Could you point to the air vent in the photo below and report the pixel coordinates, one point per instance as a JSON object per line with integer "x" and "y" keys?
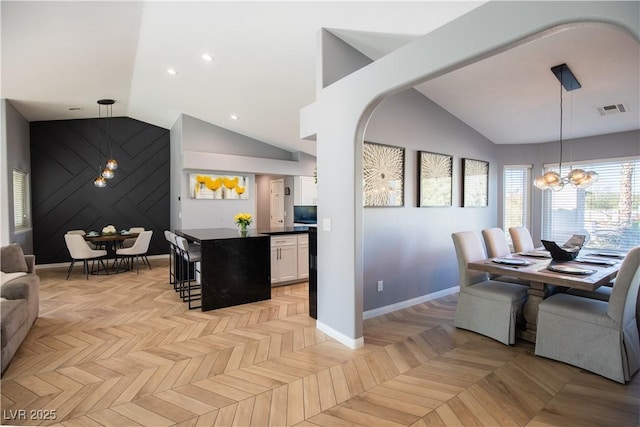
{"x": 608, "y": 110}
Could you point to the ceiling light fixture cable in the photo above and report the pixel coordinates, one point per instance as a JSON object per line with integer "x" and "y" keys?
{"x": 577, "y": 177}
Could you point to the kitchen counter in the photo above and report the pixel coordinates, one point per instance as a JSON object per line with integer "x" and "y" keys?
{"x": 283, "y": 230}
{"x": 235, "y": 268}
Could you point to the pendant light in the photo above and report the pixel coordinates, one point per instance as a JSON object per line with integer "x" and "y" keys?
{"x": 111, "y": 164}
{"x": 576, "y": 177}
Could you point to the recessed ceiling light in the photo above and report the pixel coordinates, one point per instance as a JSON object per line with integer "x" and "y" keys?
{"x": 207, "y": 57}
{"x": 233, "y": 117}
{"x": 172, "y": 71}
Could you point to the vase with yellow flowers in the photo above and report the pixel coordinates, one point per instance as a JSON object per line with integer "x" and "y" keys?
{"x": 243, "y": 220}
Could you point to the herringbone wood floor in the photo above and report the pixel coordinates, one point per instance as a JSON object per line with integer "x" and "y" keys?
{"x": 123, "y": 350}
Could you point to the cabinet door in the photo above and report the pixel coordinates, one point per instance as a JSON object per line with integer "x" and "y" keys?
{"x": 305, "y": 191}
{"x": 275, "y": 270}
{"x": 303, "y": 261}
{"x": 288, "y": 263}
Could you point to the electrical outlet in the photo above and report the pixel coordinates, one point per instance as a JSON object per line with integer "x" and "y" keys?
{"x": 380, "y": 285}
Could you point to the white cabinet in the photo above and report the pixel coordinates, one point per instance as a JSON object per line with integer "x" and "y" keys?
{"x": 303, "y": 256}
{"x": 305, "y": 192}
{"x": 289, "y": 258}
{"x": 284, "y": 258}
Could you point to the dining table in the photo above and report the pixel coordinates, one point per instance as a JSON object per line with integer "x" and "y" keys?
{"x": 111, "y": 242}
{"x": 537, "y": 269}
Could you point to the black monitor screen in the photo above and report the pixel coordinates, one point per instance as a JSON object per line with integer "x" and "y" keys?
{"x": 305, "y": 214}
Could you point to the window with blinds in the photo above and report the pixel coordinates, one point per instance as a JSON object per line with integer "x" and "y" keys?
{"x": 20, "y": 207}
{"x": 516, "y": 194}
{"x": 608, "y": 211}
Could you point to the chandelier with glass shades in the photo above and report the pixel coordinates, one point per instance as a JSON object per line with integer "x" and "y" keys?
{"x": 111, "y": 164}
{"x": 579, "y": 178}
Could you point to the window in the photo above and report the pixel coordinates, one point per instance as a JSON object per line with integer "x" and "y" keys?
{"x": 21, "y": 220}
{"x": 517, "y": 198}
{"x": 608, "y": 211}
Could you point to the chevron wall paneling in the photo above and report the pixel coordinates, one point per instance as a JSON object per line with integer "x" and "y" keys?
{"x": 64, "y": 162}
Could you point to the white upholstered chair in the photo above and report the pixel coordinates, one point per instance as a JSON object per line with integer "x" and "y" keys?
{"x": 80, "y": 251}
{"x": 521, "y": 238}
{"x": 601, "y": 337}
{"x": 497, "y": 246}
{"x": 138, "y": 250}
{"x": 83, "y": 233}
{"x": 496, "y": 242}
{"x": 127, "y": 243}
{"x": 488, "y": 307}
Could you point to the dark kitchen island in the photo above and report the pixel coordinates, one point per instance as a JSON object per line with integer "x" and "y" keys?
{"x": 235, "y": 267}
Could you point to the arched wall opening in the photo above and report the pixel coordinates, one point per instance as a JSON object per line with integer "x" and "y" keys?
{"x": 343, "y": 110}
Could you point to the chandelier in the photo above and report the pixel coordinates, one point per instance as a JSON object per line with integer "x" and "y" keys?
{"x": 579, "y": 178}
{"x": 111, "y": 164}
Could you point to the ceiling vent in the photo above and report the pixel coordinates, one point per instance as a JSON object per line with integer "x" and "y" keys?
{"x": 608, "y": 110}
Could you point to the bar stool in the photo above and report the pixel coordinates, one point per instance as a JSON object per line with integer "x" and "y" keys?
{"x": 172, "y": 256}
{"x": 189, "y": 255}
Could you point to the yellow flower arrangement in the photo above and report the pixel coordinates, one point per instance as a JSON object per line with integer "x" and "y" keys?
{"x": 240, "y": 189}
{"x": 243, "y": 220}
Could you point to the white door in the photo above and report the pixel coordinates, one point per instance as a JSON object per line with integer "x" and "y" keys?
{"x": 277, "y": 203}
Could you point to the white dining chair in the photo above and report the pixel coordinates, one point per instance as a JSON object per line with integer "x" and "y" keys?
{"x": 489, "y": 307}
{"x": 84, "y": 233}
{"x": 599, "y": 336}
{"x": 497, "y": 246}
{"x": 127, "y": 243}
{"x": 521, "y": 238}
{"x": 79, "y": 250}
{"x": 138, "y": 250}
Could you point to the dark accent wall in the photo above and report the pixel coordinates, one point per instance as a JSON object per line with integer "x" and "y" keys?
{"x": 64, "y": 163}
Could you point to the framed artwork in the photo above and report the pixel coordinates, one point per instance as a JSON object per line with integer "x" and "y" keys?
{"x": 219, "y": 187}
{"x": 475, "y": 183}
{"x": 383, "y": 170}
{"x": 434, "y": 179}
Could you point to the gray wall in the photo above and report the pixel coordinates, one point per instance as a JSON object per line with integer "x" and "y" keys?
{"x": 410, "y": 248}
{"x": 339, "y": 59}
{"x": 15, "y": 140}
{"x": 609, "y": 146}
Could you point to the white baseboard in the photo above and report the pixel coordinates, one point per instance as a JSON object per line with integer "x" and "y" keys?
{"x": 66, "y": 264}
{"x": 408, "y": 303}
{"x": 340, "y": 337}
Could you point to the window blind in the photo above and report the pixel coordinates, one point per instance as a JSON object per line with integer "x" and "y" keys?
{"x": 20, "y": 217}
{"x": 516, "y": 192}
{"x": 607, "y": 211}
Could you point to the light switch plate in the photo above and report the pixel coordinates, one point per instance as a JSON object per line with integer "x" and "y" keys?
{"x": 326, "y": 224}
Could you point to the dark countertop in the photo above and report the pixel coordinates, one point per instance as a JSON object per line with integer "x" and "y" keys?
{"x": 202, "y": 234}
{"x": 284, "y": 230}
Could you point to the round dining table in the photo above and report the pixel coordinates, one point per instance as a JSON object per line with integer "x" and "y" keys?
{"x": 110, "y": 241}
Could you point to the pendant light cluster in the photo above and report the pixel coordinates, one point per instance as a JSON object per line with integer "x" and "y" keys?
{"x": 111, "y": 164}
{"x": 576, "y": 177}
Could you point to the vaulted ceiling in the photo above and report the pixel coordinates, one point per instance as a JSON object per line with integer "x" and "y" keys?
{"x": 59, "y": 58}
